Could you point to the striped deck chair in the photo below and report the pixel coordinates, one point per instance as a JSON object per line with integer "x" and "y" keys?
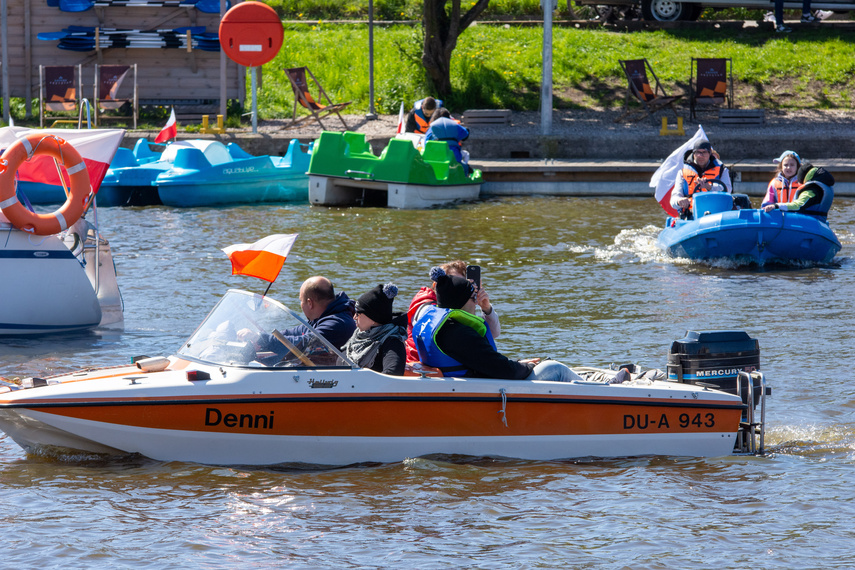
{"x": 303, "y": 97}
{"x": 60, "y": 91}
{"x": 108, "y": 81}
{"x": 711, "y": 83}
{"x": 652, "y": 98}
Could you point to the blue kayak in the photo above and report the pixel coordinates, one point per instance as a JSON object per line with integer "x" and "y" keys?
{"x": 204, "y": 173}
{"x": 723, "y": 231}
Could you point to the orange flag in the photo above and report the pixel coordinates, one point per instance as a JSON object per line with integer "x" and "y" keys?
{"x": 263, "y": 259}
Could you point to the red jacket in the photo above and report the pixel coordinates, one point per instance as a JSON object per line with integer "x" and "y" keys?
{"x": 425, "y": 296}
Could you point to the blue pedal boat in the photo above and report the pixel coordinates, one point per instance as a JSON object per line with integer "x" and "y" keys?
{"x": 196, "y": 173}
{"x": 213, "y": 174}
{"x": 727, "y": 227}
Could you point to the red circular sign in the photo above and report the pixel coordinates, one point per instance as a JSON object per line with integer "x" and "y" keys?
{"x": 251, "y": 33}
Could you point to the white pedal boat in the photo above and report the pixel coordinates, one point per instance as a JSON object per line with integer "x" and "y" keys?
{"x": 216, "y": 402}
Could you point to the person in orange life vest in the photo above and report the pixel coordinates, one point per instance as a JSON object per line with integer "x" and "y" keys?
{"x": 814, "y": 196}
{"x": 418, "y": 119}
{"x": 783, "y": 187}
{"x": 699, "y": 168}
{"x": 427, "y": 296}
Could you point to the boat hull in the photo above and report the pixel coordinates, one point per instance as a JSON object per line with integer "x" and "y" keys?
{"x": 247, "y": 417}
{"x": 335, "y": 191}
{"x": 54, "y": 284}
{"x": 285, "y": 187}
{"x": 44, "y": 288}
{"x": 751, "y": 234}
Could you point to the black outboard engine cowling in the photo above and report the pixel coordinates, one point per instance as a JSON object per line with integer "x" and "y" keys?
{"x": 714, "y": 359}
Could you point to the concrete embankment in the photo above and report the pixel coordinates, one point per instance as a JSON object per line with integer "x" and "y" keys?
{"x": 589, "y": 154}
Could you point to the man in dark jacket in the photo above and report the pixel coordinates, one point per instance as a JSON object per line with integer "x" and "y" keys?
{"x": 329, "y": 314}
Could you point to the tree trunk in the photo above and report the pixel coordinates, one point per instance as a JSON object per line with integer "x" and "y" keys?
{"x": 442, "y": 27}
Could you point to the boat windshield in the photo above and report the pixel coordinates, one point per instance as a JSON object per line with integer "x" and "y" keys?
{"x": 246, "y": 329}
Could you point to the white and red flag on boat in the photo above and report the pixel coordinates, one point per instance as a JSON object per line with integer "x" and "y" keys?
{"x": 263, "y": 259}
{"x": 170, "y": 131}
{"x": 97, "y": 147}
{"x": 400, "y": 120}
{"x": 664, "y": 177}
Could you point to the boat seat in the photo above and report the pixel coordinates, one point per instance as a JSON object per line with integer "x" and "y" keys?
{"x": 705, "y": 203}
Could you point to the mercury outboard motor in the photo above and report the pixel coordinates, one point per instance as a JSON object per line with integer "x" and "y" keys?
{"x": 714, "y": 359}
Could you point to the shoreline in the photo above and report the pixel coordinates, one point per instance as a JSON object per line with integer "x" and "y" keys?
{"x": 581, "y": 134}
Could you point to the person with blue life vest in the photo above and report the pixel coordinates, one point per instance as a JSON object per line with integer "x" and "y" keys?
{"x": 444, "y": 128}
{"x": 813, "y": 197}
{"x": 783, "y": 187}
{"x": 700, "y": 167}
{"x": 378, "y": 342}
{"x": 418, "y": 119}
{"x": 450, "y": 337}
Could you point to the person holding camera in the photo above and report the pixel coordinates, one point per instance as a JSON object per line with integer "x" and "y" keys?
{"x": 427, "y": 295}
{"x": 450, "y": 337}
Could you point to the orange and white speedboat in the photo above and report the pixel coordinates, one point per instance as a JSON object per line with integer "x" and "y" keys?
{"x": 220, "y": 401}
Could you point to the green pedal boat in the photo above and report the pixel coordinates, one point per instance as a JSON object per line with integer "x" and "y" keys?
{"x": 344, "y": 172}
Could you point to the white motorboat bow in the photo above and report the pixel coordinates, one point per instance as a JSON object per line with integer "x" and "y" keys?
{"x": 219, "y": 401}
{"x": 58, "y": 272}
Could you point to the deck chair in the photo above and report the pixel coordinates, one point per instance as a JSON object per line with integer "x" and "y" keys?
{"x": 59, "y": 91}
{"x": 108, "y": 81}
{"x": 711, "y": 84}
{"x": 652, "y": 98}
{"x": 303, "y": 96}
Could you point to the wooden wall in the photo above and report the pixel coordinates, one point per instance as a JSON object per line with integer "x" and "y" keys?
{"x": 163, "y": 73}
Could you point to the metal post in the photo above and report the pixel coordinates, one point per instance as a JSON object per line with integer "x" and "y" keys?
{"x": 254, "y": 100}
{"x": 546, "y": 80}
{"x": 4, "y": 57}
{"x": 372, "y": 115}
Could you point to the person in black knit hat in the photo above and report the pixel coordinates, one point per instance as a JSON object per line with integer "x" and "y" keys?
{"x": 377, "y": 343}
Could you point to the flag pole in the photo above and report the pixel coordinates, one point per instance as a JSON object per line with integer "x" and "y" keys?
{"x": 269, "y": 285}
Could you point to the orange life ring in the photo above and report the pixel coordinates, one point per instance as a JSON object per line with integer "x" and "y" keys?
{"x": 23, "y": 150}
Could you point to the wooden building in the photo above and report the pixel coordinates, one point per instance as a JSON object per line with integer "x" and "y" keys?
{"x": 194, "y": 81}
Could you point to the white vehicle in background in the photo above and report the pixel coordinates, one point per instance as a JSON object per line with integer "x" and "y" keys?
{"x": 689, "y": 10}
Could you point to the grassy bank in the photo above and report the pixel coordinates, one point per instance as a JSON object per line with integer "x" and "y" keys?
{"x": 500, "y": 67}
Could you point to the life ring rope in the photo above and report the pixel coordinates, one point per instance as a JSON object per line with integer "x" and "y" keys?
{"x": 79, "y": 193}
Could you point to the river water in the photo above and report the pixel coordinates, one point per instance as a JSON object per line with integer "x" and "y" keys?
{"x": 576, "y": 279}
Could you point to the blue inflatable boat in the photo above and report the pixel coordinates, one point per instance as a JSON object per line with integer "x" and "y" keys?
{"x": 204, "y": 173}
{"x": 727, "y": 227}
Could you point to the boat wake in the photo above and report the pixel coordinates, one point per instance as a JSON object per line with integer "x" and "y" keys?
{"x": 638, "y": 245}
{"x": 810, "y": 440}
{"x": 635, "y": 245}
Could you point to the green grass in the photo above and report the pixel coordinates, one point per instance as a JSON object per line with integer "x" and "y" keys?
{"x": 499, "y": 67}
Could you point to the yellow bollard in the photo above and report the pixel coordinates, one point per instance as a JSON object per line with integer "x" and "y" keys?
{"x": 208, "y": 130}
{"x": 678, "y": 131}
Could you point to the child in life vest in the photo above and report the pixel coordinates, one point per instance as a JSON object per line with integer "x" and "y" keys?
{"x": 782, "y": 188}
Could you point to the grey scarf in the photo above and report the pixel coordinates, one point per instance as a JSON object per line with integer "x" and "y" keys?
{"x": 362, "y": 347}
